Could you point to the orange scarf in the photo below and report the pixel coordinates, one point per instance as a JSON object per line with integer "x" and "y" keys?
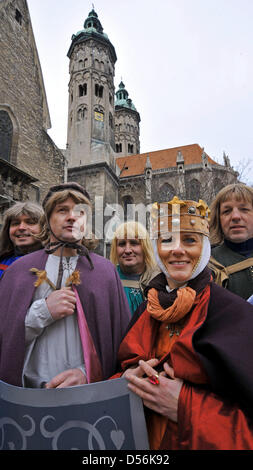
{"x": 181, "y": 306}
{"x": 167, "y": 337}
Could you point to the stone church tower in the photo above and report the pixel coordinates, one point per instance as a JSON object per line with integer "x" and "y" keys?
{"x": 90, "y": 149}
{"x": 91, "y": 96}
{"x": 127, "y": 120}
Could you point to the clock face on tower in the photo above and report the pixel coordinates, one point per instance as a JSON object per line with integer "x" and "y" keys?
{"x": 98, "y": 116}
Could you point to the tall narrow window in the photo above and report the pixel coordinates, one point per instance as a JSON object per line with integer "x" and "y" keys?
{"x": 83, "y": 89}
{"x": 81, "y": 114}
{"x": 18, "y": 16}
{"x": 128, "y": 208}
{"x": 110, "y": 120}
{"x": 99, "y": 90}
{"x": 6, "y": 134}
{"x": 130, "y": 148}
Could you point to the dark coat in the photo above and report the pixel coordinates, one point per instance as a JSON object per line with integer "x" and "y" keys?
{"x": 241, "y": 282}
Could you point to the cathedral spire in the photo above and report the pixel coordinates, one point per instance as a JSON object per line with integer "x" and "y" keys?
{"x": 122, "y": 98}
{"x": 93, "y": 22}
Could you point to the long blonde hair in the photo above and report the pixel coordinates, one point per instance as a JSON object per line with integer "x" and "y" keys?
{"x": 241, "y": 192}
{"x": 131, "y": 230}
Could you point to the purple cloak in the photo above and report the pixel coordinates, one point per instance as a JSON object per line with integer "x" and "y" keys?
{"x": 102, "y": 297}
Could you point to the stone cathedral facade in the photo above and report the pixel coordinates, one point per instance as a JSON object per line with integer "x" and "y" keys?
{"x": 103, "y": 150}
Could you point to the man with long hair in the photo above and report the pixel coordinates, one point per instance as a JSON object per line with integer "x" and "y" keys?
{"x": 231, "y": 235}
{"x": 18, "y": 234}
{"x": 64, "y": 311}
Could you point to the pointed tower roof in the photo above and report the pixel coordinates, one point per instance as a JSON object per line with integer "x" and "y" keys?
{"x": 122, "y": 99}
{"x": 92, "y": 28}
{"x": 92, "y": 22}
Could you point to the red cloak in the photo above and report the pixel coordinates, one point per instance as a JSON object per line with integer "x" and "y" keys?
{"x": 211, "y": 411}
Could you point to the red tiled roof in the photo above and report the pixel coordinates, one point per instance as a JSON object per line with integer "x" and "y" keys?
{"x": 135, "y": 164}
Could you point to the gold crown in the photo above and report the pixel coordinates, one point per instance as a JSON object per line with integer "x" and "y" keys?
{"x": 179, "y": 216}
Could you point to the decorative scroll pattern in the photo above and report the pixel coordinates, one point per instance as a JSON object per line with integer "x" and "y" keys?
{"x": 94, "y": 435}
{"x": 23, "y": 434}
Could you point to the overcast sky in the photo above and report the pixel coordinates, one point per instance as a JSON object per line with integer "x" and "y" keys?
{"x": 186, "y": 64}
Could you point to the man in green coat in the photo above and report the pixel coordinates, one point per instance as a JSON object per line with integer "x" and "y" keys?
{"x": 231, "y": 233}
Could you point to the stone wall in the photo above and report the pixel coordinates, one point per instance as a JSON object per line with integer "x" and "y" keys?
{"x": 193, "y": 182}
{"x": 22, "y": 96}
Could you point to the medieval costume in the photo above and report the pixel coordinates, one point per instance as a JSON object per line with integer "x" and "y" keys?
{"x": 135, "y": 285}
{"x": 204, "y": 333}
{"x": 236, "y": 270}
{"x": 101, "y": 295}
{"x": 132, "y": 288}
{"x": 36, "y": 344}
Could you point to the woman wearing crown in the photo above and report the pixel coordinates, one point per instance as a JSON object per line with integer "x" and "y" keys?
{"x": 189, "y": 354}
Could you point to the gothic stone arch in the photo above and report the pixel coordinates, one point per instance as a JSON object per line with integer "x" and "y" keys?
{"x": 166, "y": 192}
{"x": 193, "y": 190}
{"x": 9, "y": 134}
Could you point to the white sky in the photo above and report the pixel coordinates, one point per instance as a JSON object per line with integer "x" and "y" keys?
{"x": 186, "y": 64}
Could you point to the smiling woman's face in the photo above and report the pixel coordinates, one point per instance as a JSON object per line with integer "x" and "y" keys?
{"x": 181, "y": 260}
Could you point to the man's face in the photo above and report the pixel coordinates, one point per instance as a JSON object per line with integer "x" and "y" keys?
{"x": 68, "y": 221}
{"x": 236, "y": 218}
{"x": 22, "y": 229}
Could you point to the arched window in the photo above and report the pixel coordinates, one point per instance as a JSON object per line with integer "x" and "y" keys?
{"x": 83, "y": 89}
{"x": 166, "y": 192}
{"x": 218, "y": 185}
{"x": 81, "y": 114}
{"x": 99, "y": 90}
{"x": 193, "y": 189}
{"x": 128, "y": 207}
{"x": 6, "y": 134}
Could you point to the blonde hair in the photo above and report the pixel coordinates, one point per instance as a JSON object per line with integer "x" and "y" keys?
{"x": 132, "y": 230}
{"x": 241, "y": 192}
{"x": 58, "y": 198}
{"x": 30, "y": 209}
